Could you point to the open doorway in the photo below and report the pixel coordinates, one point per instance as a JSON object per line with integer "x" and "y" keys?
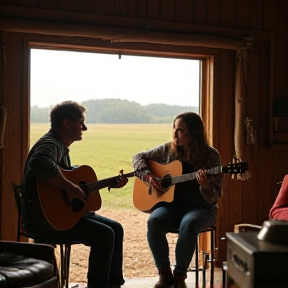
{"x": 131, "y": 102}
{"x": 133, "y": 85}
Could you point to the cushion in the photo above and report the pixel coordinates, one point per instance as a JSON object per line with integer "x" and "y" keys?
{"x": 19, "y": 271}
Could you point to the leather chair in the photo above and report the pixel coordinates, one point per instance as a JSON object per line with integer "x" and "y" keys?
{"x": 27, "y": 265}
{"x": 65, "y": 246}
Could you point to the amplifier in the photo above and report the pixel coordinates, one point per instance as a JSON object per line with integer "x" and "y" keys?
{"x": 253, "y": 263}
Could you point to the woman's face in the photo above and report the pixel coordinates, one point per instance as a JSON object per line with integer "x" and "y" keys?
{"x": 180, "y": 133}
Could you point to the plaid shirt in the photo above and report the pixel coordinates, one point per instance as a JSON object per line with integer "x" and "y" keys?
{"x": 43, "y": 162}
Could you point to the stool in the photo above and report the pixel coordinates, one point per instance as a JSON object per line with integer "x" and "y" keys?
{"x": 65, "y": 251}
{"x": 206, "y": 258}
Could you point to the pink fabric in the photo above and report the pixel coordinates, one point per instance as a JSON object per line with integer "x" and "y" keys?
{"x": 279, "y": 210}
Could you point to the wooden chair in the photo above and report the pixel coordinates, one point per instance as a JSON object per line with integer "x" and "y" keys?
{"x": 65, "y": 247}
{"x": 207, "y": 257}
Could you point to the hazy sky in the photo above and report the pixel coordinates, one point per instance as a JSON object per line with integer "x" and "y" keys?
{"x": 61, "y": 75}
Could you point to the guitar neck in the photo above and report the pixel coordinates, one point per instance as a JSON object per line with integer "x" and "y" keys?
{"x": 192, "y": 176}
{"x": 108, "y": 182}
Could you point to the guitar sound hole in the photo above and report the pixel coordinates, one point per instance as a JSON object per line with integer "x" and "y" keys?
{"x": 166, "y": 181}
{"x": 77, "y": 205}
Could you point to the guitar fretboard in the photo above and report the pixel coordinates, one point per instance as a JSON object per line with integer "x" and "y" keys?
{"x": 105, "y": 182}
{"x": 192, "y": 176}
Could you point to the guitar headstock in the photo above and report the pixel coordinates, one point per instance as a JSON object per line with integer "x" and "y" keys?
{"x": 235, "y": 168}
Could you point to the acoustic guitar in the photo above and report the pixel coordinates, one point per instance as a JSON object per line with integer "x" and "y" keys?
{"x": 144, "y": 199}
{"x": 63, "y": 209}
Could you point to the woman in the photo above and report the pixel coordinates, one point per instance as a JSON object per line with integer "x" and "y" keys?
{"x": 194, "y": 206}
{"x": 279, "y": 210}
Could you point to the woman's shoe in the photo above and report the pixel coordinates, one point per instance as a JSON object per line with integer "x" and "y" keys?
{"x": 165, "y": 278}
{"x": 179, "y": 280}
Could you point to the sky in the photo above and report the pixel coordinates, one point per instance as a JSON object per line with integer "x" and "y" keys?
{"x": 58, "y": 76}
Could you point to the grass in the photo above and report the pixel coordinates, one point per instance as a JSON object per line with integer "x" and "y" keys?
{"x": 108, "y": 148}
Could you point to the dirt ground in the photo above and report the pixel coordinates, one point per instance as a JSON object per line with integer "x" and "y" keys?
{"x": 137, "y": 262}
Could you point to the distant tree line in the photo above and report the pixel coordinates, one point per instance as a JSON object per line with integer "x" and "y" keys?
{"x": 119, "y": 111}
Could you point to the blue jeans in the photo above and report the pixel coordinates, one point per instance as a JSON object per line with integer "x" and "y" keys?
{"x": 105, "y": 237}
{"x": 190, "y": 221}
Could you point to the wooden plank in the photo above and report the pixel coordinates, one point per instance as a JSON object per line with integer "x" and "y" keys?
{"x": 250, "y": 201}
{"x": 28, "y": 3}
{"x": 264, "y": 170}
{"x": 242, "y": 13}
{"x": 184, "y": 11}
{"x": 104, "y": 7}
{"x": 214, "y": 13}
{"x": 263, "y": 86}
{"x": 13, "y": 83}
{"x": 215, "y": 99}
{"x": 223, "y": 128}
{"x": 121, "y": 8}
{"x": 85, "y": 6}
{"x": 51, "y": 4}
{"x": 226, "y": 105}
{"x": 281, "y": 42}
{"x": 2, "y": 61}
{"x": 167, "y": 10}
{"x": 256, "y": 15}
{"x": 122, "y": 35}
{"x": 269, "y": 14}
{"x": 9, "y": 2}
{"x": 137, "y": 9}
{"x": 200, "y": 12}
{"x": 67, "y": 5}
{"x": 228, "y": 13}
{"x": 153, "y": 9}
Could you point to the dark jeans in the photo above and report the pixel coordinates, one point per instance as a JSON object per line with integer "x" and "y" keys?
{"x": 190, "y": 221}
{"x": 105, "y": 237}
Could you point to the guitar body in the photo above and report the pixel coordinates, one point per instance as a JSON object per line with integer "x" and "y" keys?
{"x": 171, "y": 174}
{"x": 55, "y": 206}
{"x": 141, "y": 198}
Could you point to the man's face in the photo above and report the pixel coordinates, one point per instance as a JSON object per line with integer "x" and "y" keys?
{"x": 76, "y": 128}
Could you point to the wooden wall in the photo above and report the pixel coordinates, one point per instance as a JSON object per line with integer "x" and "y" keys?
{"x": 172, "y": 27}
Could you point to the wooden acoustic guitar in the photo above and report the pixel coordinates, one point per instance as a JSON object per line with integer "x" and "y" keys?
{"x": 63, "y": 209}
{"x": 170, "y": 174}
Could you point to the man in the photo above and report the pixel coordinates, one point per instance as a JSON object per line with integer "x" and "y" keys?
{"x": 47, "y": 156}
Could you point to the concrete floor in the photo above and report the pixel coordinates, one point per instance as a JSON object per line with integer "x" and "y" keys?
{"x": 149, "y": 282}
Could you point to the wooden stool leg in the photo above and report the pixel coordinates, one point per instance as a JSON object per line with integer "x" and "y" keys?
{"x": 67, "y": 263}
{"x": 212, "y": 258}
{"x": 62, "y": 266}
{"x": 197, "y": 264}
{"x": 205, "y": 265}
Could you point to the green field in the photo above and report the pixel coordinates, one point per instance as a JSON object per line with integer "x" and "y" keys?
{"x": 107, "y": 148}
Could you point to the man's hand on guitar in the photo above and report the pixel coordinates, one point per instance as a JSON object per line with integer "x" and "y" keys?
{"x": 78, "y": 192}
{"x": 121, "y": 180}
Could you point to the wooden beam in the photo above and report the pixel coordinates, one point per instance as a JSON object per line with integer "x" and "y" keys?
{"x": 120, "y": 34}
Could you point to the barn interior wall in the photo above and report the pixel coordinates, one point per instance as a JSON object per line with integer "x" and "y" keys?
{"x": 242, "y": 201}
